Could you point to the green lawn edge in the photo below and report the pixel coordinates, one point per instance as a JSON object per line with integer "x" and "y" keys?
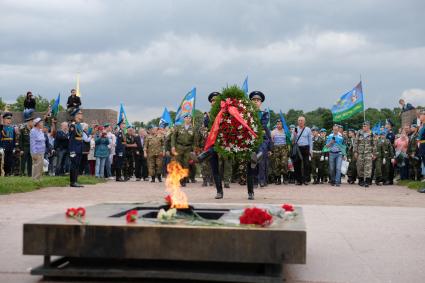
{"x": 414, "y": 185}
{"x": 17, "y": 184}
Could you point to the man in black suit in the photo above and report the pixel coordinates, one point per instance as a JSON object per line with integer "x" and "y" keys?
{"x": 141, "y": 170}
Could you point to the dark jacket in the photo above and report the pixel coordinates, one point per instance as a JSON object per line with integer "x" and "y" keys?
{"x": 29, "y": 103}
{"x": 73, "y": 101}
{"x": 61, "y": 140}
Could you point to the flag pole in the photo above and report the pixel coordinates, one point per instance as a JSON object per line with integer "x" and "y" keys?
{"x": 364, "y": 107}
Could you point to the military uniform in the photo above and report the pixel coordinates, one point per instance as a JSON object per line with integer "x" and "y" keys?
{"x": 7, "y": 146}
{"x": 279, "y": 156}
{"x": 391, "y": 137}
{"x": 387, "y": 165}
{"x": 414, "y": 159}
{"x": 119, "y": 155}
{"x": 316, "y": 165}
{"x": 378, "y": 162}
{"x": 154, "y": 148}
{"x": 205, "y": 166}
{"x": 352, "y": 167}
{"x": 324, "y": 161}
{"x": 183, "y": 140}
{"x": 129, "y": 156}
{"x": 364, "y": 148}
{"x": 75, "y": 152}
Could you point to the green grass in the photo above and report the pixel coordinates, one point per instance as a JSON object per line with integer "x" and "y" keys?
{"x": 10, "y": 185}
{"x": 414, "y": 185}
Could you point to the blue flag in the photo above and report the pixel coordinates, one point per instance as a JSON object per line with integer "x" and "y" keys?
{"x": 349, "y": 104}
{"x": 55, "y": 107}
{"x": 285, "y": 127}
{"x": 186, "y": 106}
{"x": 123, "y": 116}
{"x": 245, "y": 86}
{"x": 165, "y": 119}
{"x": 376, "y": 130}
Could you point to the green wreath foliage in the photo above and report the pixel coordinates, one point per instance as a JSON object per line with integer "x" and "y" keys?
{"x": 234, "y": 131}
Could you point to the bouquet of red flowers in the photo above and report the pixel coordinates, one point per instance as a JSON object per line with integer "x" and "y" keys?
{"x": 256, "y": 216}
{"x": 76, "y": 213}
{"x": 235, "y": 125}
{"x": 131, "y": 216}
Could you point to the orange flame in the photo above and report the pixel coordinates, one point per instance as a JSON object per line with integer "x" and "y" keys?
{"x": 175, "y": 173}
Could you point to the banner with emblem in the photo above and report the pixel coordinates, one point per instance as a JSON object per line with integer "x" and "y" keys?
{"x": 186, "y": 106}
{"x": 55, "y": 107}
{"x": 122, "y": 116}
{"x": 165, "y": 120}
{"x": 349, "y": 104}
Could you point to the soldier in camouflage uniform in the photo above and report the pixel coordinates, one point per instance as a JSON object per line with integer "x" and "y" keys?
{"x": 413, "y": 153}
{"x": 387, "y": 162}
{"x": 324, "y": 160}
{"x": 225, "y": 164}
{"x": 24, "y": 147}
{"x": 316, "y": 166}
{"x": 205, "y": 166}
{"x": 352, "y": 167}
{"x": 364, "y": 153}
{"x": 280, "y": 152}
{"x": 183, "y": 141}
{"x": 154, "y": 151}
{"x": 130, "y": 151}
{"x": 380, "y": 155}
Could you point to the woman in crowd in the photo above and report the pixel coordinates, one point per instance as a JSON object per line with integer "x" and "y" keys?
{"x": 401, "y": 144}
{"x": 101, "y": 151}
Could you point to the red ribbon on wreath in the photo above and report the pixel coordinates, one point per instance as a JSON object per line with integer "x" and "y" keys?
{"x": 232, "y": 110}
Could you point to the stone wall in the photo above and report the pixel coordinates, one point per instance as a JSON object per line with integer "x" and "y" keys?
{"x": 91, "y": 116}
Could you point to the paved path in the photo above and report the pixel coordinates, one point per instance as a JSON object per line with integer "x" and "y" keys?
{"x": 354, "y": 235}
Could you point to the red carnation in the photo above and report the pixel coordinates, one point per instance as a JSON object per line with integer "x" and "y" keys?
{"x": 81, "y": 211}
{"x": 168, "y": 199}
{"x": 288, "y": 207}
{"x": 256, "y": 216}
{"x": 71, "y": 212}
{"x": 131, "y": 216}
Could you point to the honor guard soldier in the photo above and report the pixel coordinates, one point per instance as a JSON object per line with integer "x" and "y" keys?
{"x": 75, "y": 147}
{"x": 24, "y": 146}
{"x": 183, "y": 142}
{"x": 205, "y": 166}
{"x": 280, "y": 153}
{"x": 257, "y": 97}
{"x": 7, "y": 144}
{"x": 154, "y": 149}
{"x": 119, "y": 151}
{"x": 130, "y": 151}
{"x": 364, "y": 153}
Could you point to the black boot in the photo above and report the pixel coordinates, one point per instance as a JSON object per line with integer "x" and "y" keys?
{"x": 361, "y": 182}
{"x": 159, "y": 178}
{"x": 153, "y": 179}
{"x": 278, "y": 181}
{"x": 183, "y": 182}
{"x": 204, "y": 182}
{"x": 285, "y": 179}
{"x": 367, "y": 182}
{"x": 316, "y": 181}
{"x": 378, "y": 181}
{"x": 250, "y": 187}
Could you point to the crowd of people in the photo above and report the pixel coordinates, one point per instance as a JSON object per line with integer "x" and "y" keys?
{"x": 301, "y": 156}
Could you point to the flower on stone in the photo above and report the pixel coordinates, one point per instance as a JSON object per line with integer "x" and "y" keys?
{"x": 71, "y": 212}
{"x": 167, "y": 199}
{"x": 81, "y": 211}
{"x": 166, "y": 215}
{"x": 288, "y": 207}
{"x": 256, "y": 216}
{"x": 131, "y": 216}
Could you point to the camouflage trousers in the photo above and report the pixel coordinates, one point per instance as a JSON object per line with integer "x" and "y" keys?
{"x": 225, "y": 165}
{"x": 129, "y": 165}
{"x": 154, "y": 164}
{"x": 183, "y": 155}
{"x": 316, "y": 165}
{"x": 415, "y": 168}
{"x": 352, "y": 169}
{"x": 279, "y": 160}
{"x": 378, "y": 168}
{"x": 206, "y": 171}
{"x": 364, "y": 165}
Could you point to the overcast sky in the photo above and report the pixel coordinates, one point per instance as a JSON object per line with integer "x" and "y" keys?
{"x": 149, "y": 54}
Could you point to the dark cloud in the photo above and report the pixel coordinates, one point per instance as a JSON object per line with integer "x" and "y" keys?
{"x": 148, "y": 54}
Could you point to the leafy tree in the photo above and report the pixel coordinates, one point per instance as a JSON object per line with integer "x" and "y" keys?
{"x": 2, "y": 104}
